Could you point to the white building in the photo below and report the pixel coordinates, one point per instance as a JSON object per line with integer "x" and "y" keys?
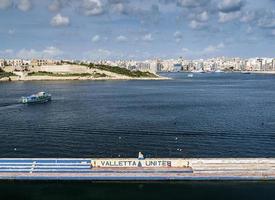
{"x": 2, "y": 62}
{"x": 26, "y": 62}
{"x": 14, "y": 62}
{"x": 143, "y": 66}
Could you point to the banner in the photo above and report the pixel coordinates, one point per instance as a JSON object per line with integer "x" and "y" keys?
{"x": 145, "y": 163}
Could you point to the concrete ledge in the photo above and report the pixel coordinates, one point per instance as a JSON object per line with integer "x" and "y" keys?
{"x": 180, "y": 169}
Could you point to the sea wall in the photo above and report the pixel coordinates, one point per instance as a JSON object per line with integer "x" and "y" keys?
{"x": 161, "y": 169}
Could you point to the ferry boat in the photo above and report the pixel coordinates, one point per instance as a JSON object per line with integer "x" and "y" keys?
{"x": 198, "y": 71}
{"x": 41, "y": 97}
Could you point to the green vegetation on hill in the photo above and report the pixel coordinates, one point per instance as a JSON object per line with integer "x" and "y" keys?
{"x": 122, "y": 71}
{"x": 4, "y": 74}
{"x": 43, "y": 73}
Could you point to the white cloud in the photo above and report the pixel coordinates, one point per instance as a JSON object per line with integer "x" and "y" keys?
{"x": 198, "y": 20}
{"x": 93, "y": 7}
{"x": 24, "y": 5}
{"x": 28, "y": 54}
{"x": 248, "y": 16}
{"x": 11, "y": 31}
{"x": 104, "y": 52}
{"x": 227, "y": 17}
{"x": 213, "y": 48}
{"x": 98, "y": 54}
{"x": 185, "y": 50}
{"x": 6, "y": 51}
{"x": 4, "y": 4}
{"x": 191, "y": 3}
{"x": 148, "y": 37}
{"x": 203, "y": 17}
{"x": 52, "y": 51}
{"x": 118, "y": 7}
{"x": 267, "y": 20}
{"x": 122, "y": 38}
{"x": 57, "y": 5}
{"x": 194, "y": 24}
{"x": 228, "y": 6}
{"x": 60, "y": 20}
{"x": 96, "y": 38}
{"x": 178, "y": 36}
{"x": 49, "y": 52}
{"x": 249, "y": 30}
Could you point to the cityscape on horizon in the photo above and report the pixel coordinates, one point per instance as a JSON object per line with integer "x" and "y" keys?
{"x": 153, "y": 65}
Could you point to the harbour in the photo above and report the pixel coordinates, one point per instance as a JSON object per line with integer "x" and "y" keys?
{"x": 191, "y": 169}
{"x": 85, "y": 85}
{"x": 179, "y": 118}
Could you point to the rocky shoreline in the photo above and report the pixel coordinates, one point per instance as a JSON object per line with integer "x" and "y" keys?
{"x": 56, "y": 78}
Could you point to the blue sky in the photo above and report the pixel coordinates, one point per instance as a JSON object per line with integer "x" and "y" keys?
{"x": 140, "y": 29}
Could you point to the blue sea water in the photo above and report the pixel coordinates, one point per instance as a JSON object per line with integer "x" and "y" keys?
{"x": 209, "y": 115}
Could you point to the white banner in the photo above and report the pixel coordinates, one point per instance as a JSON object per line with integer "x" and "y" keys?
{"x": 146, "y": 163}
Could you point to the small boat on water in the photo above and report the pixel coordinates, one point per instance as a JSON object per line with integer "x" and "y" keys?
{"x": 198, "y": 71}
{"x": 218, "y": 71}
{"x": 190, "y": 75}
{"x": 41, "y": 97}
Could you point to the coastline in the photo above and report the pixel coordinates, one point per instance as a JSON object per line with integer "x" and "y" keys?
{"x": 57, "y": 78}
{"x": 91, "y": 78}
{"x": 259, "y": 72}
{"x": 78, "y": 72}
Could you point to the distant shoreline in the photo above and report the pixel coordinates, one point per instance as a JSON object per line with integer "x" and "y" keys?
{"x": 259, "y": 72}
{"x": 77, "y": 72}
{"x": 57, "y": 78}
{"x": 79, "y": 78}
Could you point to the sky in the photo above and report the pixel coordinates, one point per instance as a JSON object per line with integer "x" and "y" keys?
{"x": 136, "y": 29}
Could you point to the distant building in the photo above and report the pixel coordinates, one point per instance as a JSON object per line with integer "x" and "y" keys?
{"x": 14, "y": 62}
{"x": 38, "y": 62}
{"x": 160, "y": 67}
{"x": 143, "y": 66}
{"x": 26, "y": 62}
{"x": 177, "y": 67}
{"x": 2, "y": 62}
{"x": 260, "y": 61}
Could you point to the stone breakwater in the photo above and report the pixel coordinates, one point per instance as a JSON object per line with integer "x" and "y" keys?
{"x": 161, "y": 169}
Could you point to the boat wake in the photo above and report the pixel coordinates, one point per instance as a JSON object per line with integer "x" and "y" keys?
{"x": 10, "y": 106}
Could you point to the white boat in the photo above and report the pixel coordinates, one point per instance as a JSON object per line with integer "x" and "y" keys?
{"x": 41, "y": 97}
{"x": 190, "y": 75}
{"x": 198, "y": 71}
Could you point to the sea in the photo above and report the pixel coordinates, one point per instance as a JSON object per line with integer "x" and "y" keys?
{"x": 207, "y": 115}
